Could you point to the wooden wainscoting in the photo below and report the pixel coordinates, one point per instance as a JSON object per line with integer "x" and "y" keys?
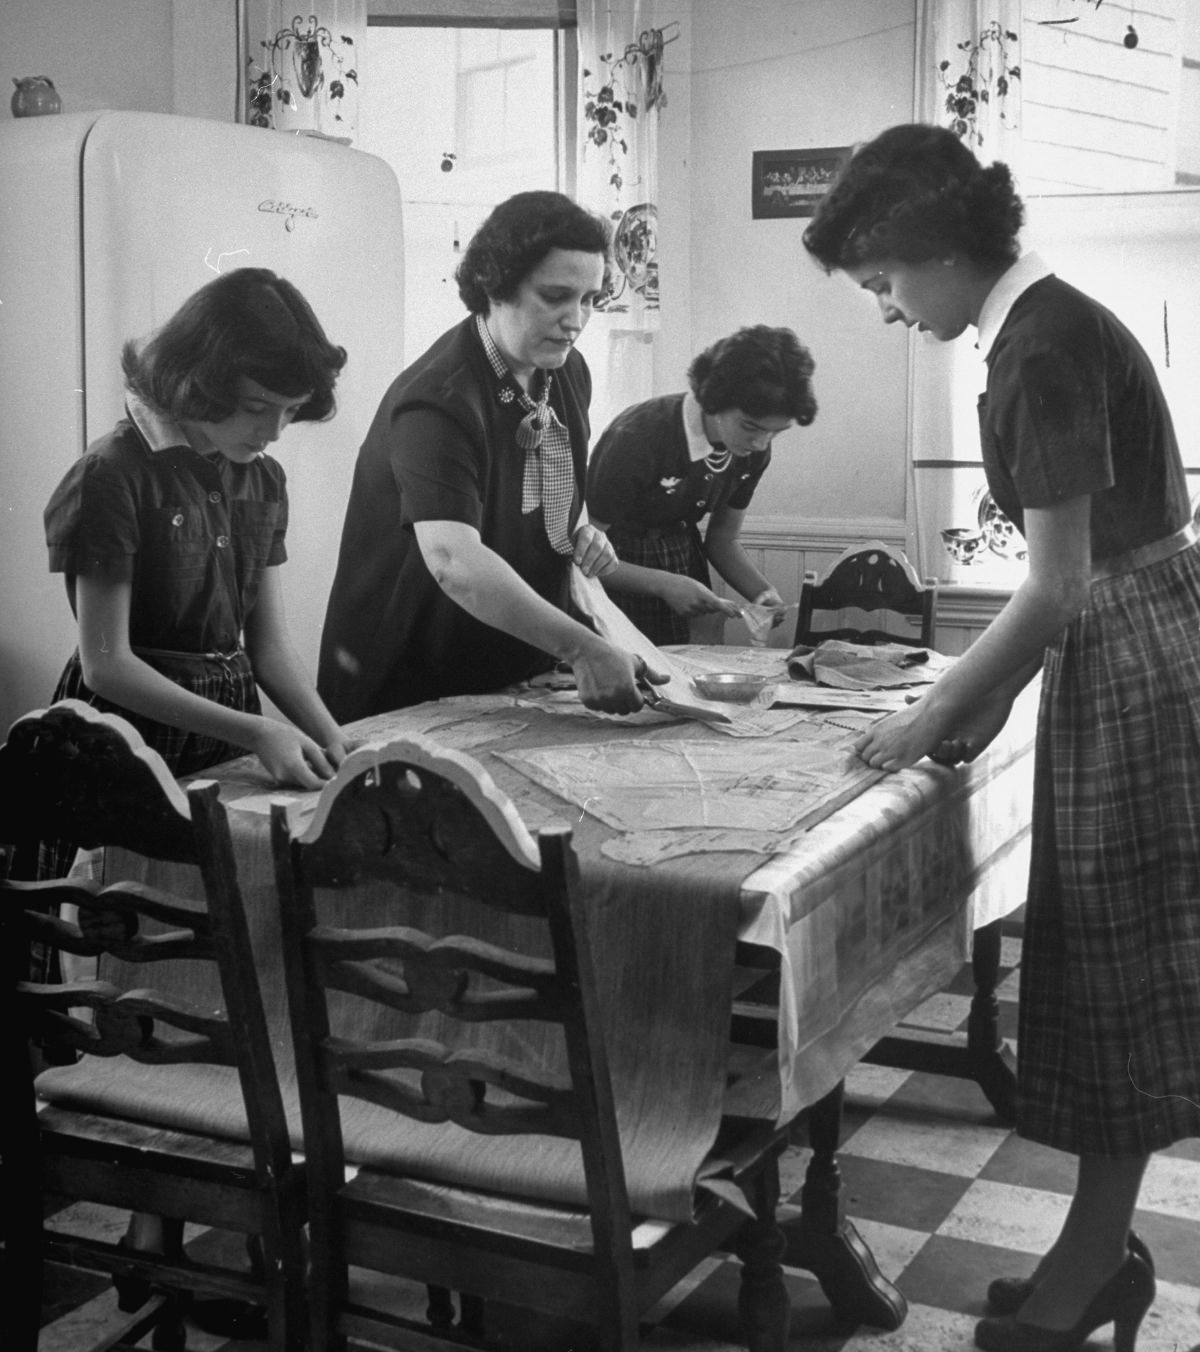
{"x": 784, "y": 551}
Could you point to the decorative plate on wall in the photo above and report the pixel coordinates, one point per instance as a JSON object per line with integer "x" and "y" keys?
{"x": 635, "y": 248}
{"x": 1002, "y": 537}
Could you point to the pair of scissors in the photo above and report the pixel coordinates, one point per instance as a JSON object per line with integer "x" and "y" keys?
{"x": 655, "y": 699}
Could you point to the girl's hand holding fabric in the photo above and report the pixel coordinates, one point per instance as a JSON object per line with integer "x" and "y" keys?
{"x": 338, "y": 748}
{"x": 771, "y": 600}
{"x": 290, "y": 757}
{"x": 594, "y": 554}
{"x": 686, "y": 596}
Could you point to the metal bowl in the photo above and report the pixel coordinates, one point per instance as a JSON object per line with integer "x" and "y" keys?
{"x": 735, "y": 687}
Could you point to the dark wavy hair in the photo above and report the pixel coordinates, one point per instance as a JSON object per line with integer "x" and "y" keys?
{"x": 914, "y": 193}
{"x": 765, "y": 372}
{"x": 245, "y": 323}
{"x": 516, "y": 237}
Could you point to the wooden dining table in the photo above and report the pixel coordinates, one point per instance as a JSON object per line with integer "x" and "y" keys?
{"x": 729, "y": 885}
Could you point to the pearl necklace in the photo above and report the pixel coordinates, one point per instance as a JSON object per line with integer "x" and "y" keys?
{"x": 718, "y": 458}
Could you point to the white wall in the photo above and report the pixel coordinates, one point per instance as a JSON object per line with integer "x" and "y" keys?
{"x": 743, "y": 75}
{"x": 775, "y": 74}
{"x": 154, "y": 56}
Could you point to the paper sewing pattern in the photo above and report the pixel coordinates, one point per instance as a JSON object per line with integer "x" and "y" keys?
{"x": 692, "y": 785}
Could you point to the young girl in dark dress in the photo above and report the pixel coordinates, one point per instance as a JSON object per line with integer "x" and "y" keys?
{"x": 664, "y": 465}
{"x": 1080, "y": 452}
{"x": 170, "y": 532}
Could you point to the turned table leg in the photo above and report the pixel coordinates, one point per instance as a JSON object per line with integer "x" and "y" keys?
{"x": 764, "y": 1309}
{"x": 991, "y": 1061}
{"x": 824, "y": 1242}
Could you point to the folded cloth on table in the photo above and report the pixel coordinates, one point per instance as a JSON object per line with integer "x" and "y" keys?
{"x": 860, "y": 666}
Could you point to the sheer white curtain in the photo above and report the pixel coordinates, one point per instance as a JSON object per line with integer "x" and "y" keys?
{"x": 621, "y": 96}
{"x": 992, "y": 123}
{"x": 949, "y": 491}
{"x": 301, "y": 71}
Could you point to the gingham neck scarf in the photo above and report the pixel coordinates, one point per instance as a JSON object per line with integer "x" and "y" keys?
{"x": 549, "y": 479}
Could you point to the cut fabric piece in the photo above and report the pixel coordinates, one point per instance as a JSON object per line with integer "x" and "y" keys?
{"x": 858, "y": 666}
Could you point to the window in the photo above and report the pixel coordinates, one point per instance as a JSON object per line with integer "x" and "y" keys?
{"x": 1110, "y": 96}
{"x": 466, "y": 116}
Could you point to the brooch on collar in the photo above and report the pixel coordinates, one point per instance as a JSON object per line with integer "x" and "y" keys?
{"x": 507, "y": 394}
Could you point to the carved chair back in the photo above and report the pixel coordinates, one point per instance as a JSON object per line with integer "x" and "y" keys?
{"x": 427, "y": 828}
{"x": 115, "y": 1135}
{"x": 871, "y": 577}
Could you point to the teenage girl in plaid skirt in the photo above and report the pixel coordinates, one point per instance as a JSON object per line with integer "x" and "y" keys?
{"x": 1080, "y": 453}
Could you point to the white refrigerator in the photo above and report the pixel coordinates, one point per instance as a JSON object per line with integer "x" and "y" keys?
{"x": 108, "y": 221}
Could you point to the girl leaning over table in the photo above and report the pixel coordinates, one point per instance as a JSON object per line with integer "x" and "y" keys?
{"x": 662, "y": 466}
{"x": 170, "y": 533}
{"x": 1080, "y": 453}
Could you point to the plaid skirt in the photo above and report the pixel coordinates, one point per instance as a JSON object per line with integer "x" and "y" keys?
{"x": 675, "y": 550}
{"x": 1109, "y": 1014}
{"x": 228, "y": 681}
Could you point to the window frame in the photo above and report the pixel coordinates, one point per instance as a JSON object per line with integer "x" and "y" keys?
{"x": 558, "y": 15}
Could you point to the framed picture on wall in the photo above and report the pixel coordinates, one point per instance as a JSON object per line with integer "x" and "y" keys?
{"x": 791, "y": 182}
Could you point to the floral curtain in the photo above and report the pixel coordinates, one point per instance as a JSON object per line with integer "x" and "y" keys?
{"x": 968, "y": 72}
{"x": 968, "y": 61}
{"x": 621, "y": 96}
{"x": 302, "y": 70}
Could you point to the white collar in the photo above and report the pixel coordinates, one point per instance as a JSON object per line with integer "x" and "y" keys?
{"x": 698, "y": 444}
{"x": 1028, "y": 269}
{"x": 161, "y": 434}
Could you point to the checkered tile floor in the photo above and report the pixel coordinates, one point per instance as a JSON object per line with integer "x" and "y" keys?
{"x": 945, "y": 1197}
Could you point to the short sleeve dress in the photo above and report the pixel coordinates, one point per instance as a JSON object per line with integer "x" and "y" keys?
{"x": 644, "y": 482}
{"x": 1109, "y": 1016}
{"x": 199, "y": 530}
{"x": 442, "y": 447}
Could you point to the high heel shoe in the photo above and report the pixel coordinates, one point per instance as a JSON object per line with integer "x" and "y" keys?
{"x": 1122, "y": 1301}
{"x": 1006, "y": 1295}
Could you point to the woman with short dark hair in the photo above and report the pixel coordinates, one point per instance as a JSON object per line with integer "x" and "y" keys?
{"x": 1080, "y": 452}
{"x": 662, "y": 466}
{"x": 464, "y": 517}
{"x": 516, "y": 237}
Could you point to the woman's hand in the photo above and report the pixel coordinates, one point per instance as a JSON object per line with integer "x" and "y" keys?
{"x": 686, "y": 596}
{"x": 771, "y": 600}
{"x": 594, "y": 555}
{"x": 607, "y": 678}
{"x": 292, "y": 757}
{"x": 338, "y": 747}
{"x": 898, "y": 741}
{"x": 973, "y": 734}
{"x": 903, "y": 738}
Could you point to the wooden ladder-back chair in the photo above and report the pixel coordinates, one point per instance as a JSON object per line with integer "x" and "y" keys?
{"x": 71, "y": 773}
{"x": 458, "y": 867}
{"x": 869, "y": 577}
